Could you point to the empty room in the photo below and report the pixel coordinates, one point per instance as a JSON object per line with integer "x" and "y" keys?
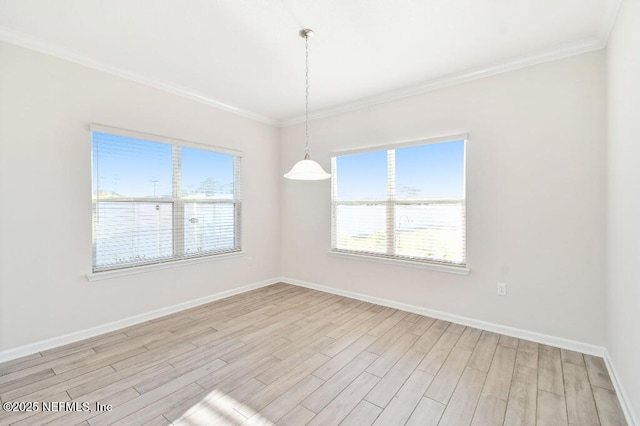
{"x": 294, "y": 212}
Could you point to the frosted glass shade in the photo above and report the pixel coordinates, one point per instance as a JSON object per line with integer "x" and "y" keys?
{"x": 307, "y": 170}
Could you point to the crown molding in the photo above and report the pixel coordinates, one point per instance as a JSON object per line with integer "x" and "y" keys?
{"x": 571, "y": 49}
{"x": 608, "y": 20}
{"x": 560, "y": 52}
{"x": 17, "y": 38}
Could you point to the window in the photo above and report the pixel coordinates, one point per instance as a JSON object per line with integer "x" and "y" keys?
{"x": 404, "y": 203}
{"x": 159, "y": 200}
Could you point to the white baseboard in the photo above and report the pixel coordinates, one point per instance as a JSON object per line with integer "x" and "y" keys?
{"x": 32, "y": 348}
{"x": 625, "y": 402}
{"x": 483, "y": 325}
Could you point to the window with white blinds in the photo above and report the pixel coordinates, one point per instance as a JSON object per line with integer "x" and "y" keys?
{"x": 404, "y": 203}
{"x": 160, "y": 200}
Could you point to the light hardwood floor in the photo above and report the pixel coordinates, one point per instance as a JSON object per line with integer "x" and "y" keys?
{"x": 293, "y": 356}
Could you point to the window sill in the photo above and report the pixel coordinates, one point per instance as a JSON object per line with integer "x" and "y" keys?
{"x": 460, "y": 270}
{"x": 105, "y": 275}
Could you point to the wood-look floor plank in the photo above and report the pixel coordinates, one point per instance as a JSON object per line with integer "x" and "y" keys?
{"x": 463, "y": 402}
{"x": 336, "y": 383}
{"x": 159, "y": 393}
{"x": 24, "y": 362}
{"x": 238, "y": 326}
{"x": 117, "y": 381}
{"x": 609, "y": 411}
{"x": 431, "y": 336}
{"x": 60, "y": 383}
{"x": 28, "y": 417}
{"x": 347, "y": 326}
{"x": 237, "y": 374}
{"x": 552, "y": 409}
{"x": 385, "y": 341}
{"x": 434, "y": 359}
{"x": 50, "y": 365}
{"x": 205, "y": 409}
{"x": 483, "y": 352}
{"x": 153, "y": 382}
{"x": 387, "y": 323}
{"x": 272, "y": 374}
{"x": 398, "y": 411}
{"x": 387, "y": 360}
{"x": 527, "y": 354}
{"x": 365, "y": 413}
{"x": 521, "y": 406}
{"x": 149, "y": 411}
{"x": 500, "y": 373}
{"x": 283, "y": 354}
{"x": 66, "y": 418}
{"x": 125, "y": 345}
{"x": 297, "y": 416}
{"x": 25, "y": 381}
{"x": 581, "y": 408}
{"x": 572, "y": 357}
{"x": 204, "y": 354}
{"x": 303, "y": 338}
{"x": 456, "y": 328}
{"x": 490, "y": 411}
{"x": 346, "y": 305}
{"x": 387, "y": 387}
{"x": 288, "y": 400}
{"x": 445, "y": 381}
{"x": 253, "y": 359}
{"x": 550, "y": 370}
{"x": 427, "y": 413}
{"x": 469, "y": 338}
{"x": 157, "y": 421}
{"x": 421, "y": 326}
{"x": 151, "y": 357}
{"x": 323, "y": 312}
{"x": 343, "y": 342}
{"x": 55, "y": 353}
{"x": 508, "y": 341}
{"x": 597, "y": 372}
{"x": 345, "y": 357}
{"x": 266, "y": 395}
{"x": 346, "y": 401}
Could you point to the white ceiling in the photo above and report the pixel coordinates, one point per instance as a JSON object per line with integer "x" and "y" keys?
{"x": 246, "y": 55}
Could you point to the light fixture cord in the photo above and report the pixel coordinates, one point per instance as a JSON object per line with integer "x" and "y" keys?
{"x": 306, "y": 105}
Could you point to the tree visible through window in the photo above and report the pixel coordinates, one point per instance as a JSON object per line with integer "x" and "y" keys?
{"x": 406, "y": 203}
{"x": 156, "y": 202}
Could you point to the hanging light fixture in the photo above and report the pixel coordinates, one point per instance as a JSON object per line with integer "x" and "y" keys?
{"x": 306, "y": 169}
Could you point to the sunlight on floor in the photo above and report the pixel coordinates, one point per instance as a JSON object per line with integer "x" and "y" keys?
{"x": 221, "y": 408}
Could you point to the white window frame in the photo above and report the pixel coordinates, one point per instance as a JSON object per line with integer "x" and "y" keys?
{"x": 390, "y": 202}
{"x": 178, "y": 258}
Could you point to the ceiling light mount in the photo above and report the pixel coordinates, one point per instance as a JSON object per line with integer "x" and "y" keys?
{"x": 306, "y": 33}
{"x": 306, "y": 169}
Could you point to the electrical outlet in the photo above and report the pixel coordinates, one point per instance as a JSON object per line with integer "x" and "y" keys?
{"x": 502, "y": 289}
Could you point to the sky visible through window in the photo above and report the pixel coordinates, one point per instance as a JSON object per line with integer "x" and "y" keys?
{"x": 131, "y": 167}
{"x": 427, "y": 171}
{"x": 426, "y": 217}
{"x": 134, "y": 210}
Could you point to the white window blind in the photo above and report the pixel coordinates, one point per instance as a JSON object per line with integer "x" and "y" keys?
{"x": 158, "y": 202}
{"x": 406, "y": 203}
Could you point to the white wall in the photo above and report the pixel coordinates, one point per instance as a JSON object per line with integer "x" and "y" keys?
{"x": 535, "y": 203}
{"x": 623, "y": 202}
{"x": 46, "y": 105}
{"x": 535, "y": 199}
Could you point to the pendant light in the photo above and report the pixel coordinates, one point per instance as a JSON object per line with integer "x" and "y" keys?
{"x": 306, "y": 169}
